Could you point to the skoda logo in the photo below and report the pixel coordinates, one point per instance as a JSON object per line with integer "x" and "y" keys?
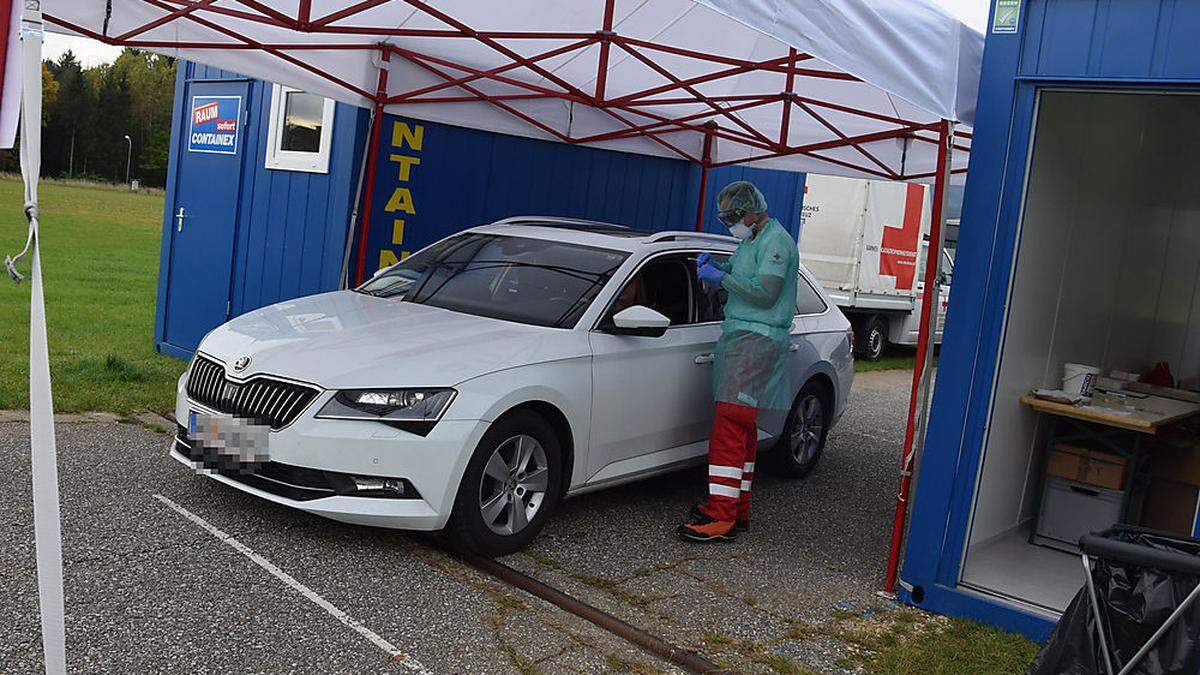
{"x": 241, "y": 363}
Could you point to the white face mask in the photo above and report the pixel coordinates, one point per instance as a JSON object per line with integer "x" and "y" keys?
{"x": 741, "y": 231}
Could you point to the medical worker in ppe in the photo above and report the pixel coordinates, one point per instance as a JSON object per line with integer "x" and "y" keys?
{"x": 751, "y": 371}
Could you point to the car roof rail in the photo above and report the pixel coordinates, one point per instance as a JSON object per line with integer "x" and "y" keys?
{"x": 705, "y": 236}
{"x": 564, "y": 223}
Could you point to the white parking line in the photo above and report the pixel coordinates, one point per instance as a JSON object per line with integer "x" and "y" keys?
{"x": 400, "y": 657}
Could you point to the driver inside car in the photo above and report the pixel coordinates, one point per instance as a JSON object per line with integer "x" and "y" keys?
{"x": 633, "y": 294}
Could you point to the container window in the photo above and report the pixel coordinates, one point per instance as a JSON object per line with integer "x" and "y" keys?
{"x": 301, "y": 129}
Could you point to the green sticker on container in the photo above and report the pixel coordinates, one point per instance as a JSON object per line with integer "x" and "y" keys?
{"x": 1005, "y": 16}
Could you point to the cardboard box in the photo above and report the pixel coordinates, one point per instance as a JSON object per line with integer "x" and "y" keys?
{"x": 1176, "y": 456}
{"x": 1087, "y": 465}
{"x": 1170, "y": 506}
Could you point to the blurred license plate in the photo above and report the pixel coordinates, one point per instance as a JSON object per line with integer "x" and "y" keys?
{"x": 233, "y": 439}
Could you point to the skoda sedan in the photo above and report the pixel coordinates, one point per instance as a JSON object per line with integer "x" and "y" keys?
{"x": 475, "y": 384}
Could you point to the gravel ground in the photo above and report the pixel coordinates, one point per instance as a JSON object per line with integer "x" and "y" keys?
{"x": 150, "y": 591}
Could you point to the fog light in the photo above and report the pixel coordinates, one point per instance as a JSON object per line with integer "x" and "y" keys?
{"x": 370, "y": 484}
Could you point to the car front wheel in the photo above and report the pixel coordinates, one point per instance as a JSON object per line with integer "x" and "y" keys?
{"x": 510, "y": 487}
{"x": 804, "y": 433}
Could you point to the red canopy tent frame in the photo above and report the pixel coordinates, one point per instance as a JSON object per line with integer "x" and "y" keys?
{"x": 628, "y": 110}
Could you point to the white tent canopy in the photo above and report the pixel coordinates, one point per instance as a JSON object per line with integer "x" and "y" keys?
{"x": 848, "y": 87}
{"x": 865, "y": 88}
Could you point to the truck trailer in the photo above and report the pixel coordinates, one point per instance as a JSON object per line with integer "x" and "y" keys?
{"x": 865, "y": 241}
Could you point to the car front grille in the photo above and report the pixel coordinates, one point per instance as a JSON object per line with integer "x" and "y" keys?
{"x": 261, "y": 398}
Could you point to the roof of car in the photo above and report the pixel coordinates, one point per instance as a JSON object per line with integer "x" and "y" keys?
{"x": 604, "y": 235}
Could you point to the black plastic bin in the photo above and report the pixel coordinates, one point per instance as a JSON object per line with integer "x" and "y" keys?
{"x": 1142, "y": 587}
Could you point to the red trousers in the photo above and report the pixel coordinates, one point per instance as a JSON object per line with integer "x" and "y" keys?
{"x": 731, "y": 450}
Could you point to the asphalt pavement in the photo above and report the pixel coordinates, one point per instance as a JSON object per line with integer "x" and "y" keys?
{"x": 169, "y": 571}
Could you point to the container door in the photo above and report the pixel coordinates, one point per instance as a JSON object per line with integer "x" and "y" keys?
{"x": 204, "y": 212}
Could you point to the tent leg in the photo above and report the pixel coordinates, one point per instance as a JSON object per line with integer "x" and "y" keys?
{"x": 918, "y": 404}
{"x": 368, "y": 194}
{"x": 705, "y": 163}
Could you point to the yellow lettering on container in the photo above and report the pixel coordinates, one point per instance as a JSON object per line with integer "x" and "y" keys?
{"x": 398, "y": 232}
{"x": 406, "y": 163}
{"x": 386, "y": 259}
{"x": 401, "y": 200}
{"x": 403, "y": 135}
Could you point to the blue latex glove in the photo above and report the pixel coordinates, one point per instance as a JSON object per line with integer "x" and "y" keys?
{"x": 708, "y": 272}
{"x": 703, "y": 259}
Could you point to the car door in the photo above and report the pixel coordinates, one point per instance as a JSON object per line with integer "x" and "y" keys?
{"x": 811, "y": 311}
{"x": 652, "y": 396}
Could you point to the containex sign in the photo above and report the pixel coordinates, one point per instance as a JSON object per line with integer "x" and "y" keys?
{"x": 214, "y": 126}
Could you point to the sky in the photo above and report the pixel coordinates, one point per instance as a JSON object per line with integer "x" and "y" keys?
{"x": 974, "y": 13}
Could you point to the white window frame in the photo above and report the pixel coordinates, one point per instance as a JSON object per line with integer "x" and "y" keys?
{"x": 290, "y": 160}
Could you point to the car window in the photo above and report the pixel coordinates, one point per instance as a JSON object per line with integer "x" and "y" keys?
{"x": 534, "y": 281}
{"x": 808, "y": 300}
{"x": 712, "y": 298}
{"x": 664, "y": 284}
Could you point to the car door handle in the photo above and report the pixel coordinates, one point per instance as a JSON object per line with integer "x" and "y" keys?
{"x": 794, "y": 347}
{"x": 705, "y": 358}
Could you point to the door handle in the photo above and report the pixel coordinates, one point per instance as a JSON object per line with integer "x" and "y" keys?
{"x": 794, "y": 347}
{"x": 179, "y": 219}
{"x": 705, "y": 358}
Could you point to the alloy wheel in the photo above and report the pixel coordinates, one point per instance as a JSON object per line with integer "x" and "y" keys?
{"x": 513, "y": 485}
{"x": 808, "y": 429}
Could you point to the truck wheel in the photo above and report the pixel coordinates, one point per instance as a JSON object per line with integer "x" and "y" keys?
{"x": 872, "y": 338}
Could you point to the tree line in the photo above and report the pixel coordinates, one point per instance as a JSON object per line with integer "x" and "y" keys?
{"x": 87, "y": 112}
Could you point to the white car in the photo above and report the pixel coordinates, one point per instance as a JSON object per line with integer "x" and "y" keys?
{"x": 479, "y": 381}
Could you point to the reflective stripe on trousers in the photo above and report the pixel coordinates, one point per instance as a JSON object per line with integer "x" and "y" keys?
{"x": 731, "y": 449}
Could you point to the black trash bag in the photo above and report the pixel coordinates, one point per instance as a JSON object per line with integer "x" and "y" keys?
{"x": 1141, "y": 577}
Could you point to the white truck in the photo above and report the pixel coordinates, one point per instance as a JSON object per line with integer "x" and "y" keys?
{"x": 865, "y": 241}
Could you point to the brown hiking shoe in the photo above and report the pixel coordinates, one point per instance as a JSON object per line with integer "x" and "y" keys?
{"x": 697, "y": 514}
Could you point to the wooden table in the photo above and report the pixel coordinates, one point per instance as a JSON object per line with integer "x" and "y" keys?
{"x": 1117, "y": 431}
{"x": 1153, "y": 413}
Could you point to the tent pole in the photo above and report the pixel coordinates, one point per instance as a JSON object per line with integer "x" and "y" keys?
{"x": 372, "y": 161}
{"x": 705, "y": 163}
{"x": 918, "y": 403}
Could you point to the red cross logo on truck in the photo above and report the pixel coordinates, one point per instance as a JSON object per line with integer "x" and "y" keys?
{"x": 898, "y": 250}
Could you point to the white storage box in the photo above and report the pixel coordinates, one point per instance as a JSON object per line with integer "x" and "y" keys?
{"x": 1071, "y": 509}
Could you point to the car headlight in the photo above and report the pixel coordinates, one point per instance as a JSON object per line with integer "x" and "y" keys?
{"x": 415, "y": 410}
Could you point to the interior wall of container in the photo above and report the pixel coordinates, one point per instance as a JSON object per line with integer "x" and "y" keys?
{"x": 1106, "y": 272}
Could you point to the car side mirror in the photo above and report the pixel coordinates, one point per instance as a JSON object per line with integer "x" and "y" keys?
{"x": 639, "y": 320}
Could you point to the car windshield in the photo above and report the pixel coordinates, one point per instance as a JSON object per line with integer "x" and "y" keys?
{"x": 534, "y": 281}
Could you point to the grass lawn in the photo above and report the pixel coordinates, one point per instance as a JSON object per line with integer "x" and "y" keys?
{"x": 912, "y": 642}
{"x": 100, "y": 264}
{"x": 897, "y": 357}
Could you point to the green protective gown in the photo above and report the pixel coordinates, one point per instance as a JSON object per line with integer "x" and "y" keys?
{"x": 752, "y": 354}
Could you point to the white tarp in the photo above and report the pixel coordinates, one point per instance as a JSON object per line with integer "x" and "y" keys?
{"x": 914, "y": 60}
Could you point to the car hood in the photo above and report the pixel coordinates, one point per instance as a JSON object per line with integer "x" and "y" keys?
{"x": 346, "y": 339}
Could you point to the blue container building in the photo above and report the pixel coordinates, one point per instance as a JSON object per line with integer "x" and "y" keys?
{"x": 1079, "y": 244}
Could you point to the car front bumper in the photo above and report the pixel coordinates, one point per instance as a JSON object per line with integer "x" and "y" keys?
{"x": 432, "y": 466}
